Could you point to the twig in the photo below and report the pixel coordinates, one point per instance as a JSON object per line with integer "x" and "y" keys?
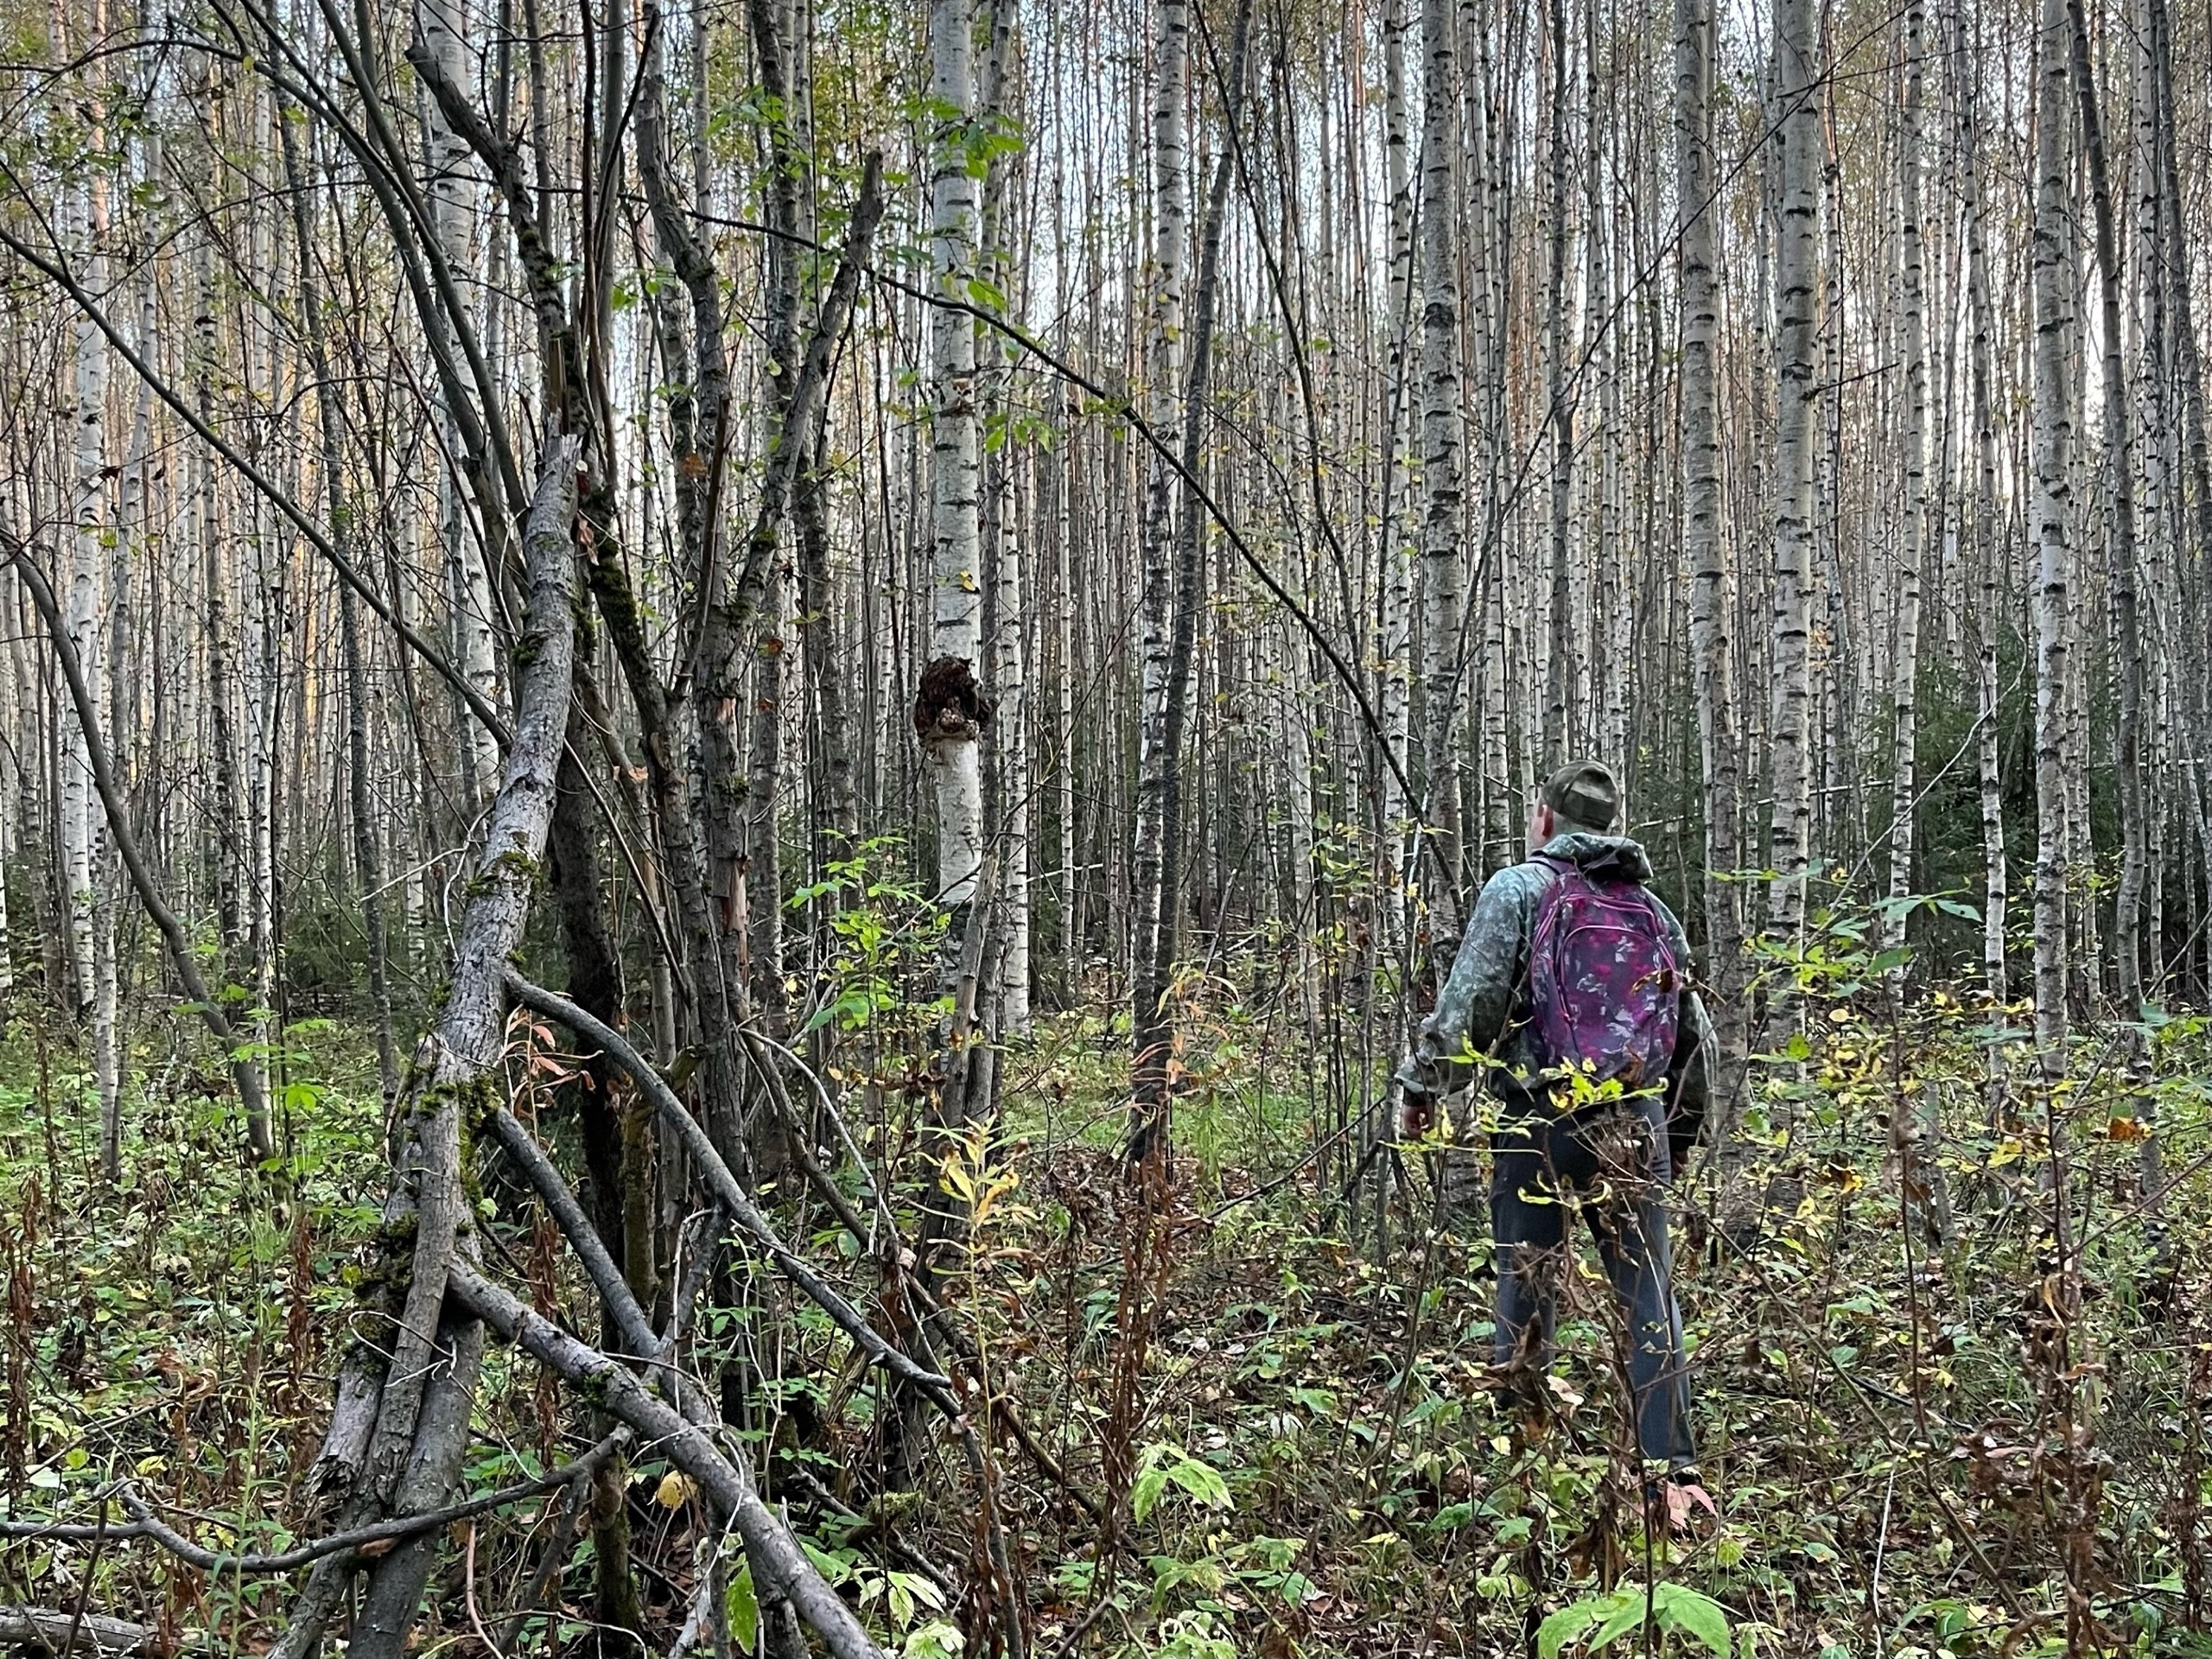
{"x": 145, "y": 1523}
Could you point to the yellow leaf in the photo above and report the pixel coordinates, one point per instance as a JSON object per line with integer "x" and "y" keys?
{"x": 674, "y": 1491}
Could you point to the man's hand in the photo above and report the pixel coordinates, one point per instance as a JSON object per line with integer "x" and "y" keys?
{"x": 1416, "y": 1113}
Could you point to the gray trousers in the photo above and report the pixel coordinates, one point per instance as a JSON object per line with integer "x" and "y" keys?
{"x": 1615, "y": 1161}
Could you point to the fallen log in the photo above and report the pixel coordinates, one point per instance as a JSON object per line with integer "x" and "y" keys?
{"x": 47, "y": 1630}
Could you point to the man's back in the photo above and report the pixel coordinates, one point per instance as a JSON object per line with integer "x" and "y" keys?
{"x": 1486, "y": 1004}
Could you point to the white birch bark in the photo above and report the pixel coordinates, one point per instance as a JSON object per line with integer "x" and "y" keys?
{"x": 1912, "y": 544}
{"x": 1162, "y": 285}
{"x": 81, "y": 604}
{"x": 1443, "y": 570}
{"x": 85, "y": 853}
{"x": 957, "y": 594}
{"x": 2055, "y": 346}
{"x": 1797, "y": 114}
{"x": 1398, "y": 532}
{"x": 1712, "y": 596}
{"x": 1009, "y": 682}
{"x": 1990, "y": 545}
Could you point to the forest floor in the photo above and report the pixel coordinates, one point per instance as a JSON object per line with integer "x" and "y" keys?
{"x": 1922, "y": 1446}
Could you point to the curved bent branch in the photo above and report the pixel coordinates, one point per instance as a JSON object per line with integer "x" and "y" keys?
{"x": 118, "y": 823}
{"x": 700, "y": 1148}
{"x": 728, "y": 1485}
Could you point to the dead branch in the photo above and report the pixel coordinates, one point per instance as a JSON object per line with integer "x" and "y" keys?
{"x": 145, "y": 1523}
{"x": 727, "y": 1190}
{"x": 49, "y": 1631}
{"x": 725, "y": 1482}
{"x": 421, "y": 1429}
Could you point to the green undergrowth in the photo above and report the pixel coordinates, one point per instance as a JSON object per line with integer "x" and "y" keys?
{"x": 1922, "y": 1444}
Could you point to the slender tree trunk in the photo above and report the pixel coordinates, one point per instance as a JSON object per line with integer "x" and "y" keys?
{"x": 951, "y": 708}
{"x": 1150, "y": 906}
{"x": 1991, "y": 543}
{"x": 1443, "y": 524}
{"x": 1161, "y": 901}
{"x": 91, "y": 919}
{"x": 1912, "y": 554}
{"x": 1398, "y": 536}
{"x": 2121, "y": 567}
{"x": 2055, "y": 343}
{"x": 1712, "y": 596}
{"x": 1798, "y": 136}
{"x": 1561, "y": 734}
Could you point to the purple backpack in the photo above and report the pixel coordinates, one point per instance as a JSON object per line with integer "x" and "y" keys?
{"x": 1605, "y": 993}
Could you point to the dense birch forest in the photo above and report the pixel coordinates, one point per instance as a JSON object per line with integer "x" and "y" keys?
{"x": 737, "y": 736}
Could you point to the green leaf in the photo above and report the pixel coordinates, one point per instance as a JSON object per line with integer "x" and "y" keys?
{"x": 1569, "y": 1621}
{"x": 1202, "y": 1481}
{"x": 1681, "y": 1608}
{"x": 744, "y": 1609}
{"x": 1628, "y": 1616}
{"x": 1147, "y": 1491}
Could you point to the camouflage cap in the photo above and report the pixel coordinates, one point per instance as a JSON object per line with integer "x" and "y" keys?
{"x": 1583, "y": 793}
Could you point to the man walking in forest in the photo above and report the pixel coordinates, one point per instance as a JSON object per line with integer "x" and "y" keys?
{"x": 1570, "y": 1000}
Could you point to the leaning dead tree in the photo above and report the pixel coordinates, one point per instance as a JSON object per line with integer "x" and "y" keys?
{"x": 400, "y": 1426}
{"x": 399, "y": 1432}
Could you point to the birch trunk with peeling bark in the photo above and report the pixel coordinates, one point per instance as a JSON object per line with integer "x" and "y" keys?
{"x": 951, "y": 710}
{"x": 2055, "y": 343}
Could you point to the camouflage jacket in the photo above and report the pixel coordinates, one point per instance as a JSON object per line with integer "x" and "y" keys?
{"x": 1483, "y": 1009}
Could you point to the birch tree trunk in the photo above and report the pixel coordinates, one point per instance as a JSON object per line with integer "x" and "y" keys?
{"x": 1991, "y": 543}
{"x": 84, "y": 858}
{"x": 1396, "y": 646}
{"x": 1159, "y": 904}
{"x": 1443, "y": 527}
{"x": 1712, "y": 596}
{"x": 2121, "y": 569}
{"x": 1010, "y": 477}
{"x": 1798, "y": 136}
{"x": 1162, "y": 283}
{"x": 1913, "y": 544}
{"x": 2055, "y": 343}
{"x": 1560, "y": 733}
{"x": 951, "y": 709}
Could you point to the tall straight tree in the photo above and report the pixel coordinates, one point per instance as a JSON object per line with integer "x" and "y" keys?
{"x": 1159, "y": 903}
{"x": 1712, "y": 598}
{"x": 1150, "y": 911}
{"x": 1989, "y": 548}
{"x": 2121, "y": 555}
{"x": 1443, "y": 522}
{"x": 2057, "y": 345}
{"x": 1797, "y": 134}
{"x": 1912, "y": 544}
{"x": 950, "y": 711}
